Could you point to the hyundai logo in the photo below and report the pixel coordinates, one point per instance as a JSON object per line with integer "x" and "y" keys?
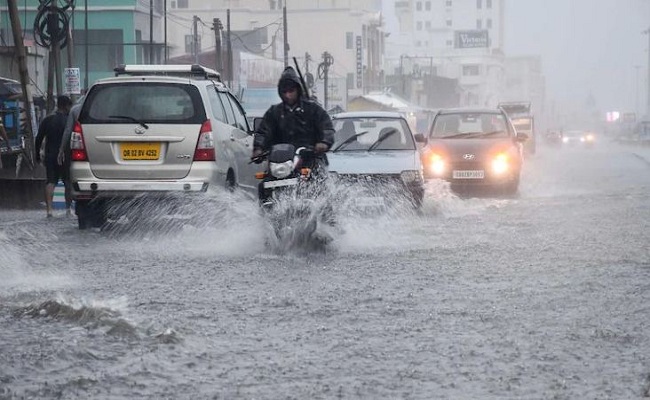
{"x": 469, "y": 156}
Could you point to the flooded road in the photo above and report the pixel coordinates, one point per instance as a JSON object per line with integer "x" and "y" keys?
{"x": 541, "y": 296}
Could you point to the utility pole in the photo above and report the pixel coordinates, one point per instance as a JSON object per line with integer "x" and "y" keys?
{"x": 86, "y": 46}
{"x": 648, "y": 95}
{"x": 217, "y": 27}
{"x": 636, "y": 92}
{"x": 165, "y": 28}
{"x": 24, "y": 79}
{"x": 229, "y": 45}
{"x": 150, "y": 31}
{"x": 195, "y": 39}
{"x": 323, "y": 73}
{"x": 286, "y": 39}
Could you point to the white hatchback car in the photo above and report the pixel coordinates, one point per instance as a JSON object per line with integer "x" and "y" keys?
{"x": 157, "y": 129}
{"x": 377, "y": 149}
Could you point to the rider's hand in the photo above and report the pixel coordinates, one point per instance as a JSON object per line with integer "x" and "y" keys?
{"x": 321, "y": 147}
{"x": 60, "y": 158}
{"x": 257, "y": 152}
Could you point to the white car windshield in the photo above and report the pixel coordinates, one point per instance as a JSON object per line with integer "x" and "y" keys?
{"x": 358, "y": 134}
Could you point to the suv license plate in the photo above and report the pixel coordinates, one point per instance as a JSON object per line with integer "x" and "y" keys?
{"x": 473, "y": 174}
{"x": 140, "y": 150}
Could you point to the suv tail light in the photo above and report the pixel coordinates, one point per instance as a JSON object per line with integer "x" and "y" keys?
{"x": 205, "y": 146}
{"x": 77, "y": 145}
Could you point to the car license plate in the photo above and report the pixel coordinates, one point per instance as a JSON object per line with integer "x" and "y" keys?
{"x": 472, "y": 174}
{"x": 140, "y": 150}
{"x": 280, "y": 183}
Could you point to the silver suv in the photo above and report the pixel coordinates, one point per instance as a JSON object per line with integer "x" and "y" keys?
{"x": 157, "y": 129}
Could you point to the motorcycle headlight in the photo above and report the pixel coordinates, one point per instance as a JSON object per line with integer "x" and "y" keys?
{"x": 411, "y": 176}
{"x": 565, "y": 139}
{"x": 281, "y": 170}
{"x": 500, "y": 164}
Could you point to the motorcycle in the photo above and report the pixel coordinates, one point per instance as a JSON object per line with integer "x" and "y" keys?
{"x": 290, "y": 195}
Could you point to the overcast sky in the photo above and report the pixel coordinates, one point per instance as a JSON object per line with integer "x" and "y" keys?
{"x": 587, "y": 46}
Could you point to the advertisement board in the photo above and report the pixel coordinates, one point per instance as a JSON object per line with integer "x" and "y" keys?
{"x": 472, "y": 39}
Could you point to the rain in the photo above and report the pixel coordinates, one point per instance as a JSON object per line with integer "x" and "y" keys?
{"x": 471, "y": 294}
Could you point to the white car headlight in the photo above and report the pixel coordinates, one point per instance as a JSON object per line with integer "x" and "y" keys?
{"x": 411, "y": 176}
{"x": 281, "y": 170}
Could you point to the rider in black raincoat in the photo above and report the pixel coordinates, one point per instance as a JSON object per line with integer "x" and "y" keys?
{"x": 297, "y": 120}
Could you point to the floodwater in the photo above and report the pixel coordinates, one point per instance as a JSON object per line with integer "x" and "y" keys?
{"x": 541, "y": 296}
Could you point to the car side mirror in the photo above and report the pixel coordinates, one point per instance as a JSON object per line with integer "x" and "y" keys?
{"x": 420, "y": 138}
{"x": 257, "y": 122}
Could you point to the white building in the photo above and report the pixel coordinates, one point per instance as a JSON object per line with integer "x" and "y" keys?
{"x": 313, "y": 26}
{"x": 458, "y": 39}
{"x": 525, "y": 82}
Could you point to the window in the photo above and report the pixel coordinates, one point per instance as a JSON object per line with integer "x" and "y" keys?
{"x": 418, "y": 6}
{"x": 419, "y": 25}
{"x": 349, "y": 40}
{"x": 427, "y": 25}
{"x": 489, "y": 23}
{"x": 449, "y": 4}
{"x": 479, "y": 4}
{"x": 418, "y": 44}
{"x": 217, "y": 107}
{"x": 479, "y": 24}
{"x": 226, "y": 104}
{"x": 471, "y": 70}
{"x": 450, "y": 43}
{"x": 349, "y": 80}
{"x": 448, "y": 22}
{"x": 150, "y": 102}
{"x": 427, "y": 6}
{"x": 240, "y": 118}
{"x": 182, "y": 3}
{"x": 488, "y": 3}
{"x": 189, "y": 45}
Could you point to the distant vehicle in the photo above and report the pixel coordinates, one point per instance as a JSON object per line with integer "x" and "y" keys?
{"x": 523, "y": 121}
{"x": 157, "y": 129}
{"x": 578, "y": 138}
{"x": 553, "y": 138}
{"x": 474, "y": 148}
{"x": 375, "y": 149}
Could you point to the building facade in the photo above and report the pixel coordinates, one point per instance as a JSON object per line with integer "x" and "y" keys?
{"x": 456, "y": 39}
{"x": 349, "y": 31}
{"x": 117, "y": 32}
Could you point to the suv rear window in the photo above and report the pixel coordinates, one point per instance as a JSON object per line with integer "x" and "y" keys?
{"x": 146, "y": 102}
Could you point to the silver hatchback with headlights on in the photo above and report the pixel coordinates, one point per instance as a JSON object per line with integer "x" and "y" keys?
{"x": 156, "y": 130}
{"x": 376, "y": 151}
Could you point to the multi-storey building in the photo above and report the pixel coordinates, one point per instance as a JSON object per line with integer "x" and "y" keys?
{"x": 458, "y": 39}
{"x": 349, "y": 30}
{"x": 117, "y": 32}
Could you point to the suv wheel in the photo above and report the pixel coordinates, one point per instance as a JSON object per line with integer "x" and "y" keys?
{"x": 90, "y": 214}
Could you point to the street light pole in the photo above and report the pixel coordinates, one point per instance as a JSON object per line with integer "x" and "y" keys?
{"x": 647, "y": 32}
{"x": 636, "y": 89}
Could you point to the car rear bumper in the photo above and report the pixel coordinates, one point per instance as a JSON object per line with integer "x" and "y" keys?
{"x": 86, "y": 186}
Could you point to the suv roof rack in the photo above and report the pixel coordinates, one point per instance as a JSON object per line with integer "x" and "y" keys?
{"x": 167, "y": 69}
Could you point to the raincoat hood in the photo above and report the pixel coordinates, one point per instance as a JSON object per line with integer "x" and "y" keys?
{"x": 289, "y": 77}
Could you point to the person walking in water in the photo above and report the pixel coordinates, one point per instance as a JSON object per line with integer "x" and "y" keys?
{"x": 52, "y": 128}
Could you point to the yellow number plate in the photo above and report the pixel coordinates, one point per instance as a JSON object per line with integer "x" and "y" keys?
{"x": 140, "y": 150}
